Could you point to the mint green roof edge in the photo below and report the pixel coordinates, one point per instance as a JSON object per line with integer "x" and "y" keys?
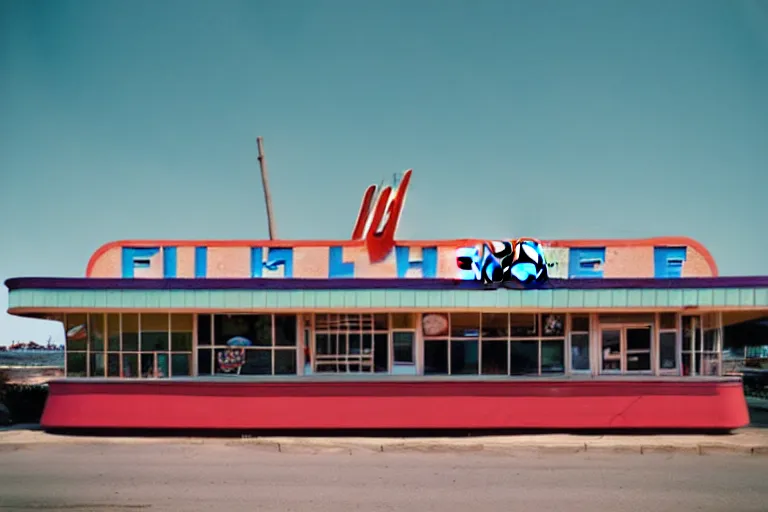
{"x": 387, "y": 299}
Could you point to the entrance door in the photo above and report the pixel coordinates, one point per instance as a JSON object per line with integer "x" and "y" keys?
{"x": 625, "y": 349}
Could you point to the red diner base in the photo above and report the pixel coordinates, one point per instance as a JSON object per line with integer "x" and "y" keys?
{"x": 403, "y": 404}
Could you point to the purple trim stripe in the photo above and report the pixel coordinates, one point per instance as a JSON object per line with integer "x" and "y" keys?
{"x": 66, "y": 283}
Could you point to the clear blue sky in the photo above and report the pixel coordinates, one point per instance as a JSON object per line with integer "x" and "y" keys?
{"x": 556, "y": 119}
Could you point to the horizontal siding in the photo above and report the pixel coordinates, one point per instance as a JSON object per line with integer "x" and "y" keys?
{"x": 386, "y": 299}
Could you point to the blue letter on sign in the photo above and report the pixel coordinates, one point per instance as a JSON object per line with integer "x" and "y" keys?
{"x": 428, "y": 263}
{"x": 137, "y": 257}
{"x": 201, "y": 262}
{"x": 337, "y": 267}
{"x": 277, "y": 257}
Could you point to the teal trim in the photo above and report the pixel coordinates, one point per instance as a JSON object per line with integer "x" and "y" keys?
{"x": 234, "y": 300}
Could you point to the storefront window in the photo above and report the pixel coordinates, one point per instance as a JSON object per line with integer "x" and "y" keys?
{"x": 285, "y": 330}
{"x": 497, "y": 343}
{"x": 113, "y": 344}
{"x": 246, "y": 345}
{"x": 579, "y": 343}
{"x": 668, "y": 350}
{"x": 403, "y": 320}
{"x": 495, "y": 357}
{"x": 76, "y": 332}
{"x": 524, "y": 358}
{"x": 464, "y": 357}
{"x": 76, "y": 327}
{"x": 130, "y": 365}
{"x": 154, "y": 332}
{"x": 349, "y": 343}
{"x": 523, "y": 326}
{"x": 181, "y": 345}
{"x": 580, "y": 351}
{"x": 435, "y": 357}
{"x": 402, "y": 344}
{"x": 552, "y": 356}
{"x": 76, "y": 364}
{"x": 130, "y": 332}
{"x": 465, "y": 325}
{"x": 495, "y": 325}
{"x": 113, "y": 332}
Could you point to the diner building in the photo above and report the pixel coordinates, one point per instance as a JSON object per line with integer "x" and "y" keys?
{"x": 373, "y": 332}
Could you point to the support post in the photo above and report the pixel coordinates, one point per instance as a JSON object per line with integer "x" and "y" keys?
{"x": 265, "y": 184}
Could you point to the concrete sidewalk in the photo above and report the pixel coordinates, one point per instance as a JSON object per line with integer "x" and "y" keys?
{"x": 744, "y": 442}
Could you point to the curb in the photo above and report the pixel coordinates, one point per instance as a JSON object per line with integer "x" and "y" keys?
{"x": 747, "y": 443}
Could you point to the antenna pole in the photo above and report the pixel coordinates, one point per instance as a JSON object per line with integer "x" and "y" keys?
{"x": 265, "y": 184}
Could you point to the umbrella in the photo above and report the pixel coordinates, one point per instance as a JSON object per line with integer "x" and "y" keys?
{"x": 239, "y": 341}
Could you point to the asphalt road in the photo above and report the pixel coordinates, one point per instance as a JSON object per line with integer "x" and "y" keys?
{"x": 219, "y": 477}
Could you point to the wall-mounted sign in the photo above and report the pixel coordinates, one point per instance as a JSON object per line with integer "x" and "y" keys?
{"x": 434, "y": 324}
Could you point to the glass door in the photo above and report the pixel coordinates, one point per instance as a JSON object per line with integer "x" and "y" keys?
{"x": 638, "y": 348}
{"x": 404, "y": 352}
{"x": 626, "y": 349}
{"x": 610, "y": 350}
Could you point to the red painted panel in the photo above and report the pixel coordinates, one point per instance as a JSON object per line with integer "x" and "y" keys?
{"x": 401, "y": 404}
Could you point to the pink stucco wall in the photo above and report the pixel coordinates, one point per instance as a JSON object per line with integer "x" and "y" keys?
{"x": 623, "y": 259}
